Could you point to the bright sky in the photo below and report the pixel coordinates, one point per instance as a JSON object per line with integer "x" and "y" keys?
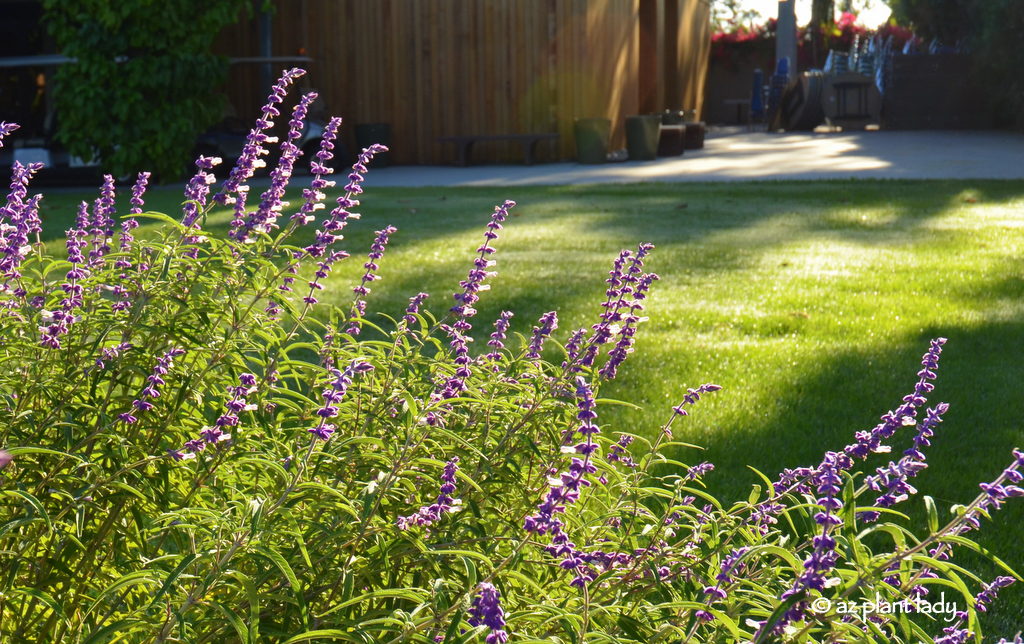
{"x": 872, "y": 12}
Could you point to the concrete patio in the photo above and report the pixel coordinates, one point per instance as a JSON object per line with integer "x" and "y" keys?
{"x": 737, "y": 154}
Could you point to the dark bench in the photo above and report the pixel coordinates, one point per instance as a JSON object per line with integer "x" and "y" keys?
{"x": 464, "y": 144}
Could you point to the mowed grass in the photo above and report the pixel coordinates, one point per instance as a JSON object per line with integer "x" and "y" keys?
{"x": 809, "y": 302}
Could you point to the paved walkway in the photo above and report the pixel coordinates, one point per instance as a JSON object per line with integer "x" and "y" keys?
{"x": 734, "y": 154}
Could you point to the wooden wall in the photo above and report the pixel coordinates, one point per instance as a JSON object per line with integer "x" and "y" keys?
{"x": 432, "y": 68}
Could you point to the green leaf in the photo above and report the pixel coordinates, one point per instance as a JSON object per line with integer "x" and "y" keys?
{"x": 328, "y": 633}
{"x": 235, "y": 621}
{"x": 36, "y": 505}
{"x": 414, "y": 595}
{"x": 933, "y": 514}
{"x": 172, "y": 577}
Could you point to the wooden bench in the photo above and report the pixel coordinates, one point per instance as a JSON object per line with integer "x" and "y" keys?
{"x": 464, "y": 144}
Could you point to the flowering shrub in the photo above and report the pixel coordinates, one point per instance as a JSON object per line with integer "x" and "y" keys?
{"x": 192, "y": 451}
{"x": 741, "y": 41}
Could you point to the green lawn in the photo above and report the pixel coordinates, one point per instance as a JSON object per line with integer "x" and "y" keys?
{"x": 810, "y": 303}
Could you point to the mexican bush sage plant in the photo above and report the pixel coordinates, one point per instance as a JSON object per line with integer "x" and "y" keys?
{"x": 194, "y": 448}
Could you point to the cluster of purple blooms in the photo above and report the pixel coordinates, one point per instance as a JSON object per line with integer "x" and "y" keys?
{"x": 627, "y": 288}
{"x": 565, "y": 490}
{"x": 548, "y": 323}
{"x": 112, "y": 353}
{"x": 313, "y": 195}
{"x": 154, "y": 381}
{"x": 730, "y": 566}
{"x": 19, "y": 222}
{"x": 497, "y": 341}
{"x": 414, "y": 308}
{"x": 458, "y": 332}
{"x": 428, "y": 515}
{"x": 486, "y": 611}
{"x": 893, "y": 480}
{"x": 957, "y": 633}
{"x": 333, "y": 394}
{"x": 380, "y": 242}
{"x": 255, "y": 147}
{"x": 264, "y": 218}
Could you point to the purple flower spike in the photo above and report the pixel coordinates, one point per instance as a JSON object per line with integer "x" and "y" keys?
{"x": 445, "y": 503}
{"x": 254, "y": 147}
{"x": 102, "y": 224}
{"x": 414, "y": 307}
{"x": 474, "y": 282}
{"x": 869, "y": 442}
{"x": 5, "y": 456}
{"x": 692, "y": 396}
{"x": 565, "y": 490}
{"x": 5, "y": 129}
{"x": 264, "y": 219}
{"x": 497, "y": 340}
{"x": 359, "y": 168}
{"x": 486, "y": 611}
{"x": 622, "y": 281}
{"x": 376, "y": 252}
{"x": 19, "y": 221}
{"x": 548, "y": 323}
{"x": 892, "y": 480}
{"x": 313, "y": 196}
{"x": 333, "y": 395}
{"x": 138, "y": 190}
{"x": 155, "y": 381}
{"x": 197, "y": 190}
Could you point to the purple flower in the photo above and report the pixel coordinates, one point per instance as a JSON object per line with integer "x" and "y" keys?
{"x": 313, "y": 196}
{"x": 497, "y": 340}
{"x": 621, "y": 281}
{"x": 102, "y": 225}
{"x": 142, "y": 404}
{"x": 989, "y": 591}
{"x": 548, "y": 323}
{"x": 380, "y": 242}
{"x": 323, "y": 269}
{"x": 430, "y": 514}
{"x": 333, "y": 394}
{"x": 565, "y": 490}
{"x": 359, "y": 168}
{"x": 19, "y": 221}
{"x": 869, "y": 442}
{"x": 486, "y": 611}
{"x": 414, "y": 307}
{"x": 692, "y": 396}
{"x": 264, "y": 219}
{"x": 254, "y": 147}
{"x": 138, "y": 190}
{"x": 5, "y": 129}
{"x": 5, "y": 456}
{"x": 892, "y": 480}
{"x": 617, "y": 453}
{"x": 624, "y": 345}
{"x": 474, "y": 282}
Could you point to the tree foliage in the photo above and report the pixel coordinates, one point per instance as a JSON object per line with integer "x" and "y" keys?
{"x": 143, "y": 85}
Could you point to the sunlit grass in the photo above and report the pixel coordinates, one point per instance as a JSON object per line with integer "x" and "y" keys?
{"x": 810, "y": 303}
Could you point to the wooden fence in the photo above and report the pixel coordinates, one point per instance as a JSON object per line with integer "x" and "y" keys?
{"x": 432, "y": 68}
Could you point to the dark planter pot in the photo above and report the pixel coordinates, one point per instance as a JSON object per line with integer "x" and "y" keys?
{"x": 369, "y": 133}
{"x": 694, "y": 136}
{"x": 642, "y": 136}
{"x": 592, "y": 136}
